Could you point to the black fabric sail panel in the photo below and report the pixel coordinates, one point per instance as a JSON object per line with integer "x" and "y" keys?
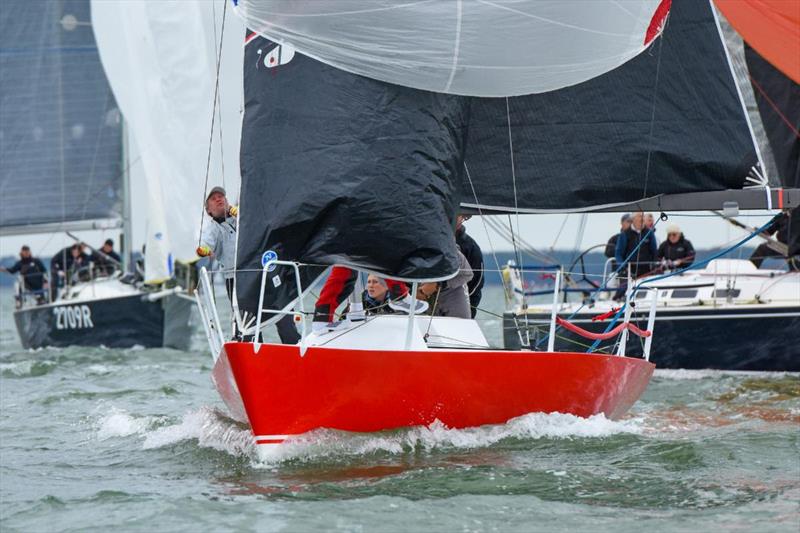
{"x": 778, "y": 99}
{"x": 342, "y": 169}
{"x": 591, "y": 144}
{"x": 60, "y": 130}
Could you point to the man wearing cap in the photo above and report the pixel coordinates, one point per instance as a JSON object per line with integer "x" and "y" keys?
{"x": 218, "y": 241}
{"x": 677, "y": 251}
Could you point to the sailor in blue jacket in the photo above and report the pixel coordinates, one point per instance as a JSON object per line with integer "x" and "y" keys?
{"x": 644, "y": 260}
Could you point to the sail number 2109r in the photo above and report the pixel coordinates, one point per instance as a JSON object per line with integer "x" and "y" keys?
{"x": 73, "y": 317}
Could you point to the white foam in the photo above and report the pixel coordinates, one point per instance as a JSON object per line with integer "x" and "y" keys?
{"x": 119, "y": 423}
{"x": 327, "y": 443}
{"x": 684, "y": 374}
{"x": 24, "y": 368}
{"x": 99, "y": 370}
{"x": 210, "y": 428}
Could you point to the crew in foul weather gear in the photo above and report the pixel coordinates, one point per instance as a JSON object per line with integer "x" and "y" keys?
{"x": 218, "y": 241}
{"x": 644, "y": 258}
{"x": 339, "y": 286}
{"x": 611, "y": 245}
{"x": 106, "y": 260}
{"x": 32, "y": 271}
{"x": 677, "y": 251}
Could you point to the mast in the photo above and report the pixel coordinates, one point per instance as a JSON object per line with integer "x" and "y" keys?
{"x": 127, "y": 237}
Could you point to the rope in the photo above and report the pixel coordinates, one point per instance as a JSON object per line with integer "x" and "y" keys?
{"x": 694, "y": 266}
{"x": 213, "y": 120}
{"x": 601, "y": 336}
{"x": 219, "y": 99}
{"x": 602, "y": 287}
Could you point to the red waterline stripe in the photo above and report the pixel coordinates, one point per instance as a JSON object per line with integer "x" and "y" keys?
{"x": 269, "y": 441}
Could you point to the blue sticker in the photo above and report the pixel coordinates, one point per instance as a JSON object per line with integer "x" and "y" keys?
{"x": 267, "y": 257}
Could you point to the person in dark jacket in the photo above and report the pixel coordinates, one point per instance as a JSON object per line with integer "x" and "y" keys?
{"x": 32, "y": 270}
{"x": 376, "y": 296}
{"x": 474, "y": 256}
{"x": 611, "y": 245}
{"x": 781, "y": 231}
{"x": 677, "y": 251}
{"x": 642, "y": 262}
{"x": 106, "y": 260}
{"x": 78, "y": 262}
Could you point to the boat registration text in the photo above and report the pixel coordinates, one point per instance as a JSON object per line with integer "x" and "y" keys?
{"x": 73, "y": 317}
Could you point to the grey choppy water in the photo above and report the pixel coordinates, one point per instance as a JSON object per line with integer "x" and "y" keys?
{"x": 93, "y": 439}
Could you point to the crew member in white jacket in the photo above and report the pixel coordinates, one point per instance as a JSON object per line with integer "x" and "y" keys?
{"x": 218, "y": 241}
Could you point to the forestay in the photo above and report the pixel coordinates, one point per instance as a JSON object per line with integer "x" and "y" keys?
{"x": 60, "y": 132}
{"x": 160, "y": 58}
{"x": 467, "y": 47}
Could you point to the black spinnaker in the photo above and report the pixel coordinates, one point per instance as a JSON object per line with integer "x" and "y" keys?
{"x": 778, "y": 99}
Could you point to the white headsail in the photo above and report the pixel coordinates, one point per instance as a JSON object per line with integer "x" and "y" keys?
{"x": 467, "y": 47}
{"x": 160, "y": 59}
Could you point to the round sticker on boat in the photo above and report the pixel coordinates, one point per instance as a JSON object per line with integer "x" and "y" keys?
{"x": 266, "y": 258}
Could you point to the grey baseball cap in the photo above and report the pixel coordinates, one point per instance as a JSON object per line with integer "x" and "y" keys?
{"x": 215, "y": 189}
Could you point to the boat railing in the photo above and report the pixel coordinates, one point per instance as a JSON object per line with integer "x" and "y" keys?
{"x": 514, "y": 279}
{"x": 27, "y": 297}
{"x": 299, "y": 315}
{"x": 207, "y": 307}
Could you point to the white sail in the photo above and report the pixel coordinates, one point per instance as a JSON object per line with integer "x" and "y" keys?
{"x": 468, "y": 47}
{"x": 160, "y": 59}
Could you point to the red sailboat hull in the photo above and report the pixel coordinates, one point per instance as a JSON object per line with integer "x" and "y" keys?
{"x": 282, "y": 394}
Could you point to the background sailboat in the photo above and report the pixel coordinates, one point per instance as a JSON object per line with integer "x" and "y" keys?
{"x": 65, "y": 167}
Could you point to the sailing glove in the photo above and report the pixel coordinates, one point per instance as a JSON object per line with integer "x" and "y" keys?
{"x": 203, "y": 251}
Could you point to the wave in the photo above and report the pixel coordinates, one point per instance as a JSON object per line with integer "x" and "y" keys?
{"x": 210, "y": 428}
{"x": 330, "y": 443}
{"x": 27, "y": 369}
{"x": 692, "y": 375}
{"x": 119, "y": 423}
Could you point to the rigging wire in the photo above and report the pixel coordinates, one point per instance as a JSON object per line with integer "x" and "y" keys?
{"x": 491, "y": 246}
{"x": 653, "y": 112}
{"x": 558, "y": 235}
{"x": 213, "y": 120}
{"x": 516, "y": 208}
{"x": 219, "y": 97}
